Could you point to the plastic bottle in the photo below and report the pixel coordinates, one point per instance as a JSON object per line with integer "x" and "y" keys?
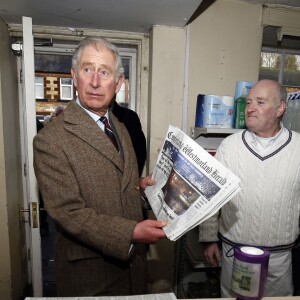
{"x": 239, "y": 110}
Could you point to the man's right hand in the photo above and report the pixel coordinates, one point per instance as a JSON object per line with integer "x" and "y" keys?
{"x": 148, "y": 232}
{"x": 212, "y": 253}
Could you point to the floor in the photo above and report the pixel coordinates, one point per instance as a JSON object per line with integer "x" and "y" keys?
{"x": 210, "y": 288}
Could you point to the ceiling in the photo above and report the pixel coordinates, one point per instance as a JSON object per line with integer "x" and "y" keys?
{"x": 294, "y": 3}
{"x": 119, "y": 15}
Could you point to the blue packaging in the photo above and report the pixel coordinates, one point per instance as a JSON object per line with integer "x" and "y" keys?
{"x": 199, "y": 111}
{"x": 214, "y": 111}
{"x": 240, "y": 85}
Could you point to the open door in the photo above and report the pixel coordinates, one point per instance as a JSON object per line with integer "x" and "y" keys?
{"x": 44, "y": 285}
{"x": 28, "y": 131}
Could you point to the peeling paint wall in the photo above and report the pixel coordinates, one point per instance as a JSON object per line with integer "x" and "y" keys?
{"x": 225, "y": 47}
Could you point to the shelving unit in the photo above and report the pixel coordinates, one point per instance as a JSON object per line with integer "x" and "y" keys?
{"x": 197, "y": 131}
{"x": 193, "y": 271}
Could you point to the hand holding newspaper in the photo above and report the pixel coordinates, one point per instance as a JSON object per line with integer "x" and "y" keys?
{"x": 191, "y": 185}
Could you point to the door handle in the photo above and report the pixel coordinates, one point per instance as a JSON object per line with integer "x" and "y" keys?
{"x": 33, "y": 210}
{"x": 34, "y": 214}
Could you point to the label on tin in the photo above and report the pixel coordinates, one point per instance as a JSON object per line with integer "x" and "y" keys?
{"x": 245, "y": 278}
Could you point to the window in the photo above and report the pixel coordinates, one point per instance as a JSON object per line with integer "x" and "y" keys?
{"x": 280, "y": 65}
{"x": 128, "y": 56}
{"x": 58, "y": 60}
{"x": 66, "y": 88}
{"x": 39, "y": 87}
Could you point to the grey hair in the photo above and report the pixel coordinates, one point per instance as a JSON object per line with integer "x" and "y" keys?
{"x": 59, "y": 109}
{"x": 97, "y": 43}
{"x": 281, "y": 93}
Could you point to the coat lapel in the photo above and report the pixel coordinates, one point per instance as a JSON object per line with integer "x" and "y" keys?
{"x": 79, "y": 123}
{"x": 128, "y": 152}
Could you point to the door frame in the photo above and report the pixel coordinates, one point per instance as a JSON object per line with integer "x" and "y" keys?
{"x": 28, "y": 112}
{"x": 27, "y": 132}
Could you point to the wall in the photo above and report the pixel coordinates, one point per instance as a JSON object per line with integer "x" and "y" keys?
{"x": 12, "y": 278}
{"x": 167, "y": 52}
{"x": 225, "y": 45}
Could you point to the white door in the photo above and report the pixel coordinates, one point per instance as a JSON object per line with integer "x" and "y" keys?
{"x": 28, "y": 131}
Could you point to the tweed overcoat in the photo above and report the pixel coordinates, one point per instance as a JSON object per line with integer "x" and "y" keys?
{"x": 88, "y": 190}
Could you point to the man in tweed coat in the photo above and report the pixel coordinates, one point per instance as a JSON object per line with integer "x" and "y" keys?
{"x": 90, "y": 188}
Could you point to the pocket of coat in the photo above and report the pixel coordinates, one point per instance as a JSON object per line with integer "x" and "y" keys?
{"x": 79, "y": 252}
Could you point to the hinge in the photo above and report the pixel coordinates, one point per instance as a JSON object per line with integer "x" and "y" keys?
{"x": 17, "y": 48}
{"x": 28, "y": 254}
{"x": 21, "y": 77}
{"x": 25, "y": 169}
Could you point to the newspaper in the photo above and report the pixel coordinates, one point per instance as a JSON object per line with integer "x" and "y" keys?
{"x": 191, "y": 185}
{"x": 162, "y": 296}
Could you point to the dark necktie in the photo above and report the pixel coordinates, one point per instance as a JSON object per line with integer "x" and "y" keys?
{"x": 108, "y": 131}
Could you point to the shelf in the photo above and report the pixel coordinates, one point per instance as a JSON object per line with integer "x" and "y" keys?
{"x": 197, "y": 131}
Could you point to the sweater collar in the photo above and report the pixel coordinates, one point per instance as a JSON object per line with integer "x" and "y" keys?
{"x": 266, "y": 147}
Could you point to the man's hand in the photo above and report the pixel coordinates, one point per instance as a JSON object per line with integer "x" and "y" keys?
{"x": 146, "y": 181}
{"x": 148, "y": 232}
{"x": 212, "y": 254}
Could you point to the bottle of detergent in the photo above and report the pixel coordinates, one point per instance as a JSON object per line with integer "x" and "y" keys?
{"x": 239, "y": 110}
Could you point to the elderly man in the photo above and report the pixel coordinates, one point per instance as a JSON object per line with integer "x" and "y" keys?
{"x": 266, "y": 211}
{"x": 88, "y": 176}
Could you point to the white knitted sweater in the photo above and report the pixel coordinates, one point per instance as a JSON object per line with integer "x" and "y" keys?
{"x": 266, "y": 210}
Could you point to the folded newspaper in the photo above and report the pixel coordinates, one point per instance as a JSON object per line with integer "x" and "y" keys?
{"x": 191, "y": 185}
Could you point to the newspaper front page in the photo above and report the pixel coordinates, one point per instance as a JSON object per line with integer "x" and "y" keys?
{"x": 191, "y": 185}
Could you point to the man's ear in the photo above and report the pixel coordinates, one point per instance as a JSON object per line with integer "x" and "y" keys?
{"x": 73, "y": 73}
{"x": 281, "y": 109}
{"x": 119, "y": 83}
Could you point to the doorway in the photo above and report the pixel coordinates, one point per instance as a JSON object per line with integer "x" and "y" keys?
{"x": 54, "y": 88}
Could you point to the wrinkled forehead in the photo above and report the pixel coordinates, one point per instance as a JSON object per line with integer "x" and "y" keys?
{"x": 97, "y": 49}
{"x": 98, "y": 55}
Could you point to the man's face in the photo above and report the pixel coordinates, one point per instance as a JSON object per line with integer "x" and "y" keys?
{"x": 96, "y": 79}
{"x": 262, "y": 113}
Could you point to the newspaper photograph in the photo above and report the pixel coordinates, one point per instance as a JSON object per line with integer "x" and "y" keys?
{"x": 191, "y": 185}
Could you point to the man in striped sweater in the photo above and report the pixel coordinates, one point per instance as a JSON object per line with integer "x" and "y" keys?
{"x": 265, "y": 213}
